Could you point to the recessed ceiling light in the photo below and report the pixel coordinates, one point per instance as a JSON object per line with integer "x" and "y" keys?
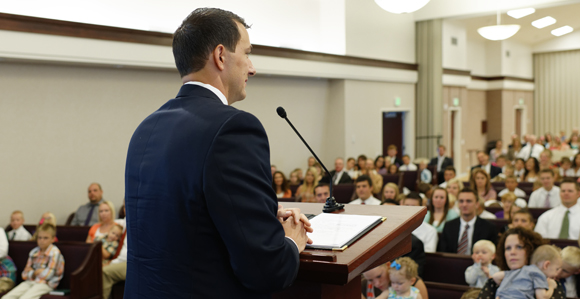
{"x": 520, "y": 13}
{"x": 562, "y": 30}
{"x": 543, "y": 22}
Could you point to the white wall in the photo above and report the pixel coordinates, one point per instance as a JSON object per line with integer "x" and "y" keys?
{"x": 454, "y": 56}
{"x": 567, "y": 42}
{"x": 374, "y": 33}
{"x": 476, "y": 56}
{"x": 520, "y": 61}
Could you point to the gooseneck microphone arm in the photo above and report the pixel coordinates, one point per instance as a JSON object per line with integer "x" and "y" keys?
{"x": 331, "y": 204}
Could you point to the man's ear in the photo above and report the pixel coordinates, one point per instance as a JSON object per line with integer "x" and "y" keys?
{"x": 218, "y": 56}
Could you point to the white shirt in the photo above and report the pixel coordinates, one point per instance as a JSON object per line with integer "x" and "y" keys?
{"x": 369, "y": 201}
{"x": 518, "y": 192}
{"x": 487, "y": 167}
{"x": 538, "y": 198}
{"x": 570, "y": 286}
{"x": 536, "y": 151}
{"x": 519, "y": 173}
{"x": 440, "y": 160}
{"x": 217, "y": 92}
{"x": 550, "y": 223}
{"x": 338, "y": 176}
{"x": 20, "y": 234}
{"x": 3, "y": 244}
{"x": 428, "y": 235}
{"x": 570, "y": 172}
{"x": 408, "y": 167}
{"x": 469, "y": 232}
{"x": 443, "y": 185}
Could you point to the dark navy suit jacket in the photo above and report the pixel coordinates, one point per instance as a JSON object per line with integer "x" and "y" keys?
{"x": 482, "y": 230}
{"x": 201, "y": 212}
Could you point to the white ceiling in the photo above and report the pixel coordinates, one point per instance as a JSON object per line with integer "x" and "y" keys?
{"x": 528, "y": 34}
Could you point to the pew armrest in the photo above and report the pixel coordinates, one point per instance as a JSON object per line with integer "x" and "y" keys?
{"x": 87, "y": 281}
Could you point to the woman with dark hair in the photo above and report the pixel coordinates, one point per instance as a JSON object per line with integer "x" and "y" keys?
{"x": 280, "y": 185}
{"x": 380, "y": 165}
{"x": 574, "y": 143}
{"x": 481, "y": 183}
{"x": 439, "y": 211}
{"x": 393, "y": 169}
{"x": 514, "y": 251}
{"x": 532, "y": 170}
{"x": 576, "y": 165}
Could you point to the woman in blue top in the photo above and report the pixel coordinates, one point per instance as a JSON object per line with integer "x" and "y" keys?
{"x": 439, "y": 211}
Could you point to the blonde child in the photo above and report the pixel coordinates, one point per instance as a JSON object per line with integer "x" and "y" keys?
{"x": 534, "y": 280}
{"x": 18, "y": 232}
{"x": 570, "y": 270}
{"x": 44, "y": 269}
{"x": 110, "y": 243}
{"x": 402, "y": 274}
{"x": 482, "y": 269}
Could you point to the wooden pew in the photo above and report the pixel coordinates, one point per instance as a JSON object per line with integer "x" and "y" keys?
{"x": 437, "y": 290}
{"x": 452, "y": 264}
{"x": 410, "y": 180}
{"x": 396, "y": 179}
{"x": 66, "y": 232}
{"x": 343, "y": 192}
{"x": 563, "y": 242}
{"x": 82, "y": 268}
{"x": 499, "y": 223}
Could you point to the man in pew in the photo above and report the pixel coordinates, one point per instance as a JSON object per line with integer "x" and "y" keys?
{"x": 569, "y": 275}
{"x": 338, "y": 175}
{"x": 448, "y": 174}
{"x": 484, "y": 164}
{"x": 88, "y": 214}
{"x": 563, "y": 221}
{"x": 442, "y": 162}
{"x": 364, "y": 188}
{"x": 425, "y": 232}
{"x": 461, "y": 233}
{"x": 548, "y": 196}
{"x": 321, "y": 192}
{"x": 116, "y": 271}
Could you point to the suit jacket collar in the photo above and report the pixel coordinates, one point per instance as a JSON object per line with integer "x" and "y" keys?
{"x": 189, "y": 90}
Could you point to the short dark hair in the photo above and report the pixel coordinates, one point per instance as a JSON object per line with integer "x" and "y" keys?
{"x": 415, "y": 196}
{"x": 363, "y": 178}
{"x": 320, "y": 185}
{"x": 469, "y": 190}
{"x": 199, "y": 34}
{"x": 547, "y": 170}
{"x": 450, "y": 168}
{"x": 571, "y": 181}
{"x": 391, "y": 201}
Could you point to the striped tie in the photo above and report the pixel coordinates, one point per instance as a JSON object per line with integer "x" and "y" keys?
{"x": 462, "y": 248}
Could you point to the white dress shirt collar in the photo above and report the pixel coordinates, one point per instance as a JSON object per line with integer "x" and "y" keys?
{"x": 469, "y": 232}
{"x": 217, "y": 92}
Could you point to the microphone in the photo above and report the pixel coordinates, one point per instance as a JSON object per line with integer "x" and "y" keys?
{"x": 331, "y": 205}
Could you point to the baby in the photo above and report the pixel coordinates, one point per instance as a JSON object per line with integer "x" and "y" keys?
{"x": 482, "y": 269}
{"x": 403, "y": 275}
{"x": 534, "y": 280}
{"x": 110, "y": 242}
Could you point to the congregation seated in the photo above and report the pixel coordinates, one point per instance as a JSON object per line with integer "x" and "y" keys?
{"x": 378, "y": 281}
{"x": 575, "y": 167}
{"x": 375, "y": 177}
{"x": 7, "y": 268}
{"x": 380, "y": 165}
{"x": 482, "y": 268}
{"x": 115, "y": 271}
{"x": 548, "y": 196}
{"x": 390, "y": 192}
{"x": 569, "y": 275}
{"x": 442, "y": 163}
{"x": 363, "y": 190}
{"x": 305, "y": 193}
{"x": 350, "y": 167}
{"x": 519, "y": 169}
{"x": 321, "y": 192}
{"x": 425, "y": 174}
{"x": 18, "y": 232}
{"x": 439, "y": 211}
{"x": 392, "y": 156}
{"x": 47, "y": 217}
{"x": 448, "y": 174}
{"x": 407, "y": 165}
{"x": 563, "y": 221}
{"x": 484, "y": 164}
{"x": 454, "y": 238}
{"x": 110, "y": 242}
{"x": 338, "y": 175}
{"x": 511, "y": 185}
{"x": 88, "y": 214}
{"x": 481, "y": 183}
{"x": 531, "y": 170}
{"x": 532, "y": 149}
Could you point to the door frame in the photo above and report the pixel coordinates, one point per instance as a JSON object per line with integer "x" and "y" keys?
{"x": 408, "y": 129}
{"x": 458, "y": 137}
{"x": 523, "y": 121}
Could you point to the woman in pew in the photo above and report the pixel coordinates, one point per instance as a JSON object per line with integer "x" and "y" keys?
{"x": 481, "y": 182}
{"x": 305, "y": 193}
{"x": 106, "y": 221}
{"x": 513, "y": 252}
{"x": 280, "y": 185}
{"x": 376, "y": 281}
{"x": 47, "y": 217}
{"x": 453, "y": 187}
{"x": 439, "y": 210}
{"x": 576, "y": 165}
{"x": 532, "y": 170}
{"x": 390, "y": 192}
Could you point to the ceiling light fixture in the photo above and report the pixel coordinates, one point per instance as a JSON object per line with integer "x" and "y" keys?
{"x": 520, "y": 13}
{"x": 498, "y": 32}
{"x": 399, "y": 7}
{"x": 562, "y": 30}
{"x": 544, "y": 22}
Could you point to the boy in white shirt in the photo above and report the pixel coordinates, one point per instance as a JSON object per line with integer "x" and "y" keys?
{"x": 18, "y": 232}
{"x": 482, "y": 269}
{"x": 511, "y": 185}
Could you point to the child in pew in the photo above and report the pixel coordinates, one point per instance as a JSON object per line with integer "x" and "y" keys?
{"x": 522, "y": 218}
{"x": 44, "y": 269}
{"x": 18, "y": 232}
{"x": 482, "y": 269}
{"x": 531, "y": 281}
{"x": 570, "y": 272}
{"x": 511, "y": 185}
{"x": 403, "y": 274}
{"x": 566, "y": 168}
{"x": 110, "y": 243}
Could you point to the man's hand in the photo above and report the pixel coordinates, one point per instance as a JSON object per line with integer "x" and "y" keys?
{"x": 296, "y": 232}
{"x": 283, "y": 214}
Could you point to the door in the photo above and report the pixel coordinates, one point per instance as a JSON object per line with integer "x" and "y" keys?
{"x": 393, "y": 132}
{"x": 519, "y": 122}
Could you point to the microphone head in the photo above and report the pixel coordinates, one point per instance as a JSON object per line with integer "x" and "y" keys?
{"x": 281, "y": 112}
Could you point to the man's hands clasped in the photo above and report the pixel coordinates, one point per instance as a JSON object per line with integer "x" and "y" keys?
{"x": 296, "y": 225}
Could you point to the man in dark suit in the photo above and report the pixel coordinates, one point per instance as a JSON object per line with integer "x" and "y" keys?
{"x": 338, "y": 175}
{"x": 484, "y": 164}
{"x": 461, "y": 233}
{"x": 392, "y": 155}
{"x": 202, "y": 217}
{"x": 441, "y": 162}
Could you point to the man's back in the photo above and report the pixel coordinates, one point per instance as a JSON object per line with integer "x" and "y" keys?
{"x": 198, "y": 188}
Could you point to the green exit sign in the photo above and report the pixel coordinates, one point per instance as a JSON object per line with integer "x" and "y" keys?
{"x": 521, "y": 101}
{"x": 397, "y": 102}
{"x": 455, "y": 101}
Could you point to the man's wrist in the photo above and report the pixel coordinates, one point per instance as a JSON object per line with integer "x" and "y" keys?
{"x": 297, "y": 248}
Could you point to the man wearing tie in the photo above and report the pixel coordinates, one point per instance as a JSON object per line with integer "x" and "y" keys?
{"x": 18, "y": 232}
{"x": 484, "y": 164}
{"x": 202, "y": 218}
{"x": 88, "y": 214}
{"x": 563, "y": 221}
{"x": 461, "y": 233}
{"x": 338, "y": 175}
{"x": 548, "y": 196}
{"x": 442, "y": 162}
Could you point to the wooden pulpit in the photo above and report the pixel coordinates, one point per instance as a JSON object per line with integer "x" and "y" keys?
{"x": 337, "y": 274}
